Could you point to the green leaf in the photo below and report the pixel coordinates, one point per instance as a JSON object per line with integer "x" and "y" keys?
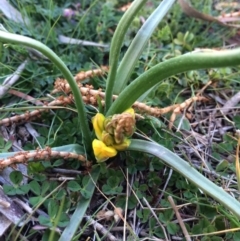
{"x": 221, "y": 166}
{"x": 35, "y": 187}
{"x": 9, "y": 190}
{"x": 113, "y": 181}
{"x": 45, "y": 221}
{"x": 208, "y": 211}
{"x": 52, "y": 208}
{"x": 81, "y": 208}
{"x": 132, "y": 202}
{"x": 236, "y": 120}
{"x": 16, "y": 177}
{"x": 8, "y": 145}
{"x": 189, "y": 172}
{"x": 22, "y": 189}
{"x": 144, "y": 215}
{"x": 116, "y": 45}
{"x": 85, "y": 181}
{"x": 73, "y": 186}
{"x": 7, "y": 37}
{"x": 85, "y": 193}
{"x": 34, "y": 201}
{"x": 45, "y": 187}
{"x": 58, "y": 163}
{"x": 34, "y": 167}
{"x": 63, "y": 221}
{"x": 182, "y": 123}
{"x": 170, "y": 67}
{"x": 103, "y": 167}
{"x": 60, "y": 194}
{"x": 139, "y": 42}
{"x": 236, "y": 236}
{"x": 172, "y": 228}
{"x": 107, "y": 190}
{"x": 2, "y": 142}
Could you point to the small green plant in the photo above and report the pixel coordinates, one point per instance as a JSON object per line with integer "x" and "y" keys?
{"x": 17, "y": 188}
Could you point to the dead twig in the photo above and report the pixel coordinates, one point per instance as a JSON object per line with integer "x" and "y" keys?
{"x": 179, "y": 218}
{"x": 38, "y": 155}
{"x": 101, "y": 229}
{"x": 231, "y": 103}
{"x": 12, "y": 79}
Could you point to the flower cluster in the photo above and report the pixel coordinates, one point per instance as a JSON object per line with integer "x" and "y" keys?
{"x": 113, "y": 133}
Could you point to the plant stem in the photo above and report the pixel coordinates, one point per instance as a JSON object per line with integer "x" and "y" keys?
{"x": 186, "y": 62}
{"x": 82, "y": 116}
{"x": 181, "y": 166}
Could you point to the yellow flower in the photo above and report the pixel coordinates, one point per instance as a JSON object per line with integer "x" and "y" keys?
{"x": 106, "y": 129}
{"x": 98, "y": 124}
{"x": 101, "y": 151}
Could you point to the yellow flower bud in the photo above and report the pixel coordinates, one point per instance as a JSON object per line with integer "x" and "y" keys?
{"x": 101, "y": 151}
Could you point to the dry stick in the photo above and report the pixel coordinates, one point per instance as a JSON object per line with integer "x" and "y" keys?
{"x": 46, "y": 153}
{"x": 4, "y": 204}
{"x": 155, "y": 216}
{"x": 9, "y": 81}
{"x": 25, "y": 97}
{"x": 217, "y": 232}
{"x": 90, "y": 96}
{"x": 126, "y": 207}
{"x": 33, "y": 114}
{"x": 187, "y": 103}
{"x": 180, "y": 107}
{"x": 62, "y": 85}
{"x": 232, "y": 102}
{"x": 101, "y": 228}
{"x": 192, "y": 12}
{"x": 179, "y": 218}
{"x": 66, "y": 40}
{"x": 164, "y": 188}
{"x": 237, "y": 161}
{"x": 221, "y": 5}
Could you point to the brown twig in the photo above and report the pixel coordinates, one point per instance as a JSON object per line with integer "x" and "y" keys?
{"x": 179, "y": 218}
